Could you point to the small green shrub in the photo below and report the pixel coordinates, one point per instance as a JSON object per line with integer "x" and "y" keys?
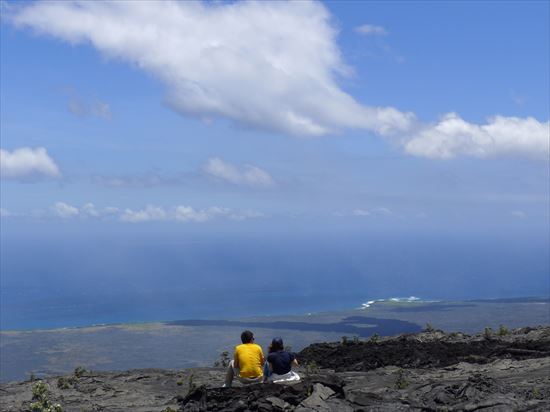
{"x": 401, "y": 381}
{"x": 79, "y": 371}
{"x": 42, "y": 403}
{"x": 488, "y": 333}
{"x": 192, "y": 384}
{"x": 311, "y": 368}
{"x": 374, "y": 338}
{"x": 503, "y": 331}
{"x": 429, "y": 328}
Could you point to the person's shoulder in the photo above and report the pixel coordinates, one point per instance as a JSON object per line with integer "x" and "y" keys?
{"x": 256, "y": 346}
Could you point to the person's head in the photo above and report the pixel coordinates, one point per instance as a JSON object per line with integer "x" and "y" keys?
{"x": 247, "y": 337}
{"x": 277, "y": 344}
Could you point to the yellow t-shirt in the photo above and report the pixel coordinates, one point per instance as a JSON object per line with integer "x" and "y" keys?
{"x": 250, "y": 357}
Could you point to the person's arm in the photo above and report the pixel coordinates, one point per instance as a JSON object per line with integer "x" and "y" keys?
{"x": 294, "y": 361}
{"x": 236, "y": 361}
{"x": 262, "y": 358}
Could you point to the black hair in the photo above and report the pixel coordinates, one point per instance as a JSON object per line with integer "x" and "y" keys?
{"x": 247, "y": 336}
{"x": 277, "y": 344}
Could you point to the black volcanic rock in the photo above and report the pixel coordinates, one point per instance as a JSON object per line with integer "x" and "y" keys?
{"x": 429, "y": 349}
{"x": 428, "y": 371}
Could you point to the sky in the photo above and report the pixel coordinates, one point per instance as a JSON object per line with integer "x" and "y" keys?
{"x": 200, "y": 116}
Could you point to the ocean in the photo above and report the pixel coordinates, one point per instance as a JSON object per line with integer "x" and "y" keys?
{"x": 71, "y": 280}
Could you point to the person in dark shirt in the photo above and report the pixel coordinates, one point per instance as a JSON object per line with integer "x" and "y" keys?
{"x": 280, "y": 363}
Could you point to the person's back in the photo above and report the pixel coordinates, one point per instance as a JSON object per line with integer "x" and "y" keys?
{"x": 280, "y": 363}
{"x": 247, "y": 363}
{"x": 249, "y": 358}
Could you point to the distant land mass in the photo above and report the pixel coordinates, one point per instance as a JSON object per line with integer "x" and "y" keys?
{"x": 197, "y": 343}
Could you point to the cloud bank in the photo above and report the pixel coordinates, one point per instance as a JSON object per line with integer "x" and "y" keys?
{"x": 265, "y": 65}
{"x": 150, "y": 213}
{"x": 27, "y": 162}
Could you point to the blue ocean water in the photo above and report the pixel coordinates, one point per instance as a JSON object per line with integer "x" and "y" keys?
{"x": 78, "y": 279}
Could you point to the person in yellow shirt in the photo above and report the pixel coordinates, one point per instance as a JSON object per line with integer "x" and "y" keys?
{"x": 248, "y": 361}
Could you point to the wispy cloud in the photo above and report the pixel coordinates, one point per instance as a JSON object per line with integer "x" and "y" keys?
{"x": 247, "y": 175}
{"x": 138, "y": 181}
{"x": 519, "y": 214}
{"x": 370, "y": 29}
{"x": 27, "y": 163}
{"x": 87, "y": 107}
{"x": 363, "y": 212}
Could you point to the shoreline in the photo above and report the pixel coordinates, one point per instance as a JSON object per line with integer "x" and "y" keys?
{"x": 402, "y": 301}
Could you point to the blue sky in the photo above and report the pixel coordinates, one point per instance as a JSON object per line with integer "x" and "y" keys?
{"x": 402, "y": 115}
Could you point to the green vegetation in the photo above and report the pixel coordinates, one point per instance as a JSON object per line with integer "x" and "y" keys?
{"x": 41, "y": 399}
{"x": 503, "y": 331}
{"x": 429, "y": 328}
{"x": 68, "y": 382}
{"x": 401, "y": 381}
{"x": 79, "y": 371}
{"x": 311, "y": 368}
{"x": 223, "y": 360}
{"x": 192, "y": 384}
{"x": 488, "y": 333}
{"x": 374, "y": 338}
{"x": 168, "y": 409}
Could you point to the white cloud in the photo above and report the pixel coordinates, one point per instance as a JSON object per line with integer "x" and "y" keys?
{"x": 150, "y": 213}
{"x": 27, "y": 162}
{"x": 361, "y": 212}
{"x": 248, "y": 175}
{"x": 266, "y": 65}
{"x": 64, "y": 210}
{"x": 452, "y": 136}
{"x": 5, "y": 212}
{"x": 369, "y": 29}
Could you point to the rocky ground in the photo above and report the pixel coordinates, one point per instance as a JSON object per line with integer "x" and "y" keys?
{"x": 430, "y": 371}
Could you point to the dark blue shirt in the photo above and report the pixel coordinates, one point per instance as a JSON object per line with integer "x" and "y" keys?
{"x": 281, "y": 361}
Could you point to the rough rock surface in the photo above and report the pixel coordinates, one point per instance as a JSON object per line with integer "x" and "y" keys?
{"x": 429, "y": 371}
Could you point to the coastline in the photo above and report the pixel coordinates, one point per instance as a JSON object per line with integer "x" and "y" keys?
{"x": 194, "y": 343}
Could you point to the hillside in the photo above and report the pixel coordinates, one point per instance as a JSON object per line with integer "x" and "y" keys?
{"x": 430, "y": 370}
